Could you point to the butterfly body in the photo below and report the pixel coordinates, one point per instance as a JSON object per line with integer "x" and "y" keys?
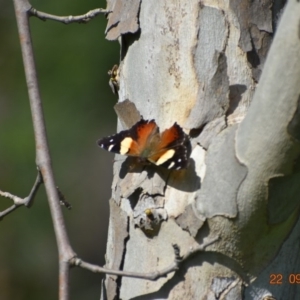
{"x": 170, "y": 149}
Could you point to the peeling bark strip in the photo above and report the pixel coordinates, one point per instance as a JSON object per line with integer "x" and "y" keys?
{"x": 127, "y": 113}
{"x": 224, "y": 176}
{"x": 198, "y": 64}
{"x": 117, "y": 237}
{"x": 123, "y": 19}
{"x": 211, "y": 67}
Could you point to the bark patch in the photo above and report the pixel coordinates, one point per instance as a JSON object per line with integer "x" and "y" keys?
{"x": 123, "y": 18}
{"x": 224, "y": 175}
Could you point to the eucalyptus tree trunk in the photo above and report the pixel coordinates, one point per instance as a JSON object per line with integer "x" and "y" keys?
{"x": 198, "y": 63}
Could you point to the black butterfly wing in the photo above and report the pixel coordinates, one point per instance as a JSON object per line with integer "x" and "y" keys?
{"x": 130, "y": 142}
{"x": 173, "y": 150}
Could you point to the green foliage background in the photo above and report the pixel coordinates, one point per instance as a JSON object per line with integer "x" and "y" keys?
{"x": 72, "y": 62}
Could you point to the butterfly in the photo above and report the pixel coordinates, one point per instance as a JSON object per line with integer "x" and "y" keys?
{"x": 170, "y": 149}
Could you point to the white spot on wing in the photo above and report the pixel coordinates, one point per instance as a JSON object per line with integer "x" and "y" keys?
{"x": 166, "y": 156}
{"x": 110, "y": 147}
{"x": 125, "y": 145}
{"x": 111, "y": 140}
{"x": 171, "y": 165}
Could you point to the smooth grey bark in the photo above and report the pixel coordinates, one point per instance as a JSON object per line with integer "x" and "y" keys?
{"x": 198, "y": 63}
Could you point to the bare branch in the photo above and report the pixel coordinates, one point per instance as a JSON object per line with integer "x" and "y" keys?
{"x": 43, "y": 160}
{"x": 21, "y": 201}
{"x": 38, "y": 182}
{"x": 149, "y": 276}
{"x": 68, "y": 19}
{"x": 63, "y": 278}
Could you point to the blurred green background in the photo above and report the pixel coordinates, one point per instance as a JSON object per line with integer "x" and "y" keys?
{"x": 72, "y": 62}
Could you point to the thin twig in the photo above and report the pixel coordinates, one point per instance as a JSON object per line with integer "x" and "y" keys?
{"x": 68, "y": 19}
{"x": 27, "y": 201}
{"x": 43, "y": 160}
{"x": 149, "y": 276}
{"x": 31, "y": 196}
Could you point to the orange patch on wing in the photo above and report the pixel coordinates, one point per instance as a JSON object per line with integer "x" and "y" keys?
{"x": 168, "y": 136}
{"x": 143, "y": 133}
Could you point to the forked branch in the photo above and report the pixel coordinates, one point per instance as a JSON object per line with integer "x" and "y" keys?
{"x": 27, "y": 201}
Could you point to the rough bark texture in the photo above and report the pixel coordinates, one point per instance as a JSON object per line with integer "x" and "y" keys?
{"x": 198, "y": 63}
